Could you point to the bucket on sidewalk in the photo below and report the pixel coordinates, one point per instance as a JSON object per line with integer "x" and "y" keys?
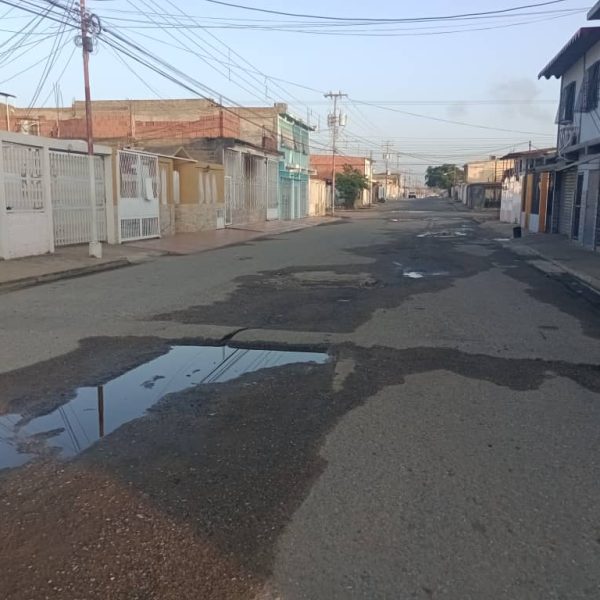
{"x": 517, "y": 231}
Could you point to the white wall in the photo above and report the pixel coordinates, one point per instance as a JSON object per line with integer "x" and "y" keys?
{"x": 27, "y": 230}
{"x": 588, "y": 123}
{"x": 510, "y": 207}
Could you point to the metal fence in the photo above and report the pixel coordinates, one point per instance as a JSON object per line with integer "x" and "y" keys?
{"x": 245, "y": 187}
{"x": 71, "y": 202}
{"x": 69, "y": 190}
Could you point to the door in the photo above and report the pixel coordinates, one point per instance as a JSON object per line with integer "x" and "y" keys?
{"x": 591, "y": 209}
{"x": 577, "y": 207}
{"x": 533, "y": 223}
{"x": 565, "y": 200}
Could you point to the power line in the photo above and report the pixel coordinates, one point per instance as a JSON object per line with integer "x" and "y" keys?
{"x": 450, "y": 121}
{"x": 384, "y": 20}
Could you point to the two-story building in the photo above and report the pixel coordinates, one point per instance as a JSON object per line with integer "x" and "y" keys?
{"x": 293, "y": 144}
{"x": 575, "y": 207}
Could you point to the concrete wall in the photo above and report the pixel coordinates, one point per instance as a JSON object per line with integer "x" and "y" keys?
{"x": 487, "y": 171}
{"x": 319, "y": 198}
{"x": 510, "y": 207}
{"x": 201, "y": 192}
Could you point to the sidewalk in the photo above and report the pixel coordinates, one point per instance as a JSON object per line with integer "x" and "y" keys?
{"x": 73, "y": 261}
{"x": 564, "y": 254}
{"x": 192, "y": 243}
{"x": 67, "y": 262}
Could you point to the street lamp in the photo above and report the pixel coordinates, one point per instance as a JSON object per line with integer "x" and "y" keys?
{"x": 6, "y": 96}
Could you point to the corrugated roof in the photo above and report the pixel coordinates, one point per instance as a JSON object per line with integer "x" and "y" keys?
{"x": 580, "y": 43}
{"x": 594, "y": 12}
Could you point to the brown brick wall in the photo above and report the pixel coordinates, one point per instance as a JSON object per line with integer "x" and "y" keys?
{"x": 322, "y": 164}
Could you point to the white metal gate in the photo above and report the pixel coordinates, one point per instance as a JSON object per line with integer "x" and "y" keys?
{"x": 245, "y": 187}
{"x": 138, "y": 196}
{"x": 71, "y": 206}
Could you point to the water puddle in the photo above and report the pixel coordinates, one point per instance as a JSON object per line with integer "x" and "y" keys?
{"x": 95, "y": 412}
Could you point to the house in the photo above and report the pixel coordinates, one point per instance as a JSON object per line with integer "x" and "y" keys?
{"x": 526, "y": 191}
{"x": 486, "y": 171}
{"x": 293, "y": 144}
{"x": 249, "y": 176}
{"x": 575, "y": 208}
{"x": 163, "y": 192}
{"x": 388, "y": 187}
{"x": 322, "y": 168}
{"x": 45, "y": 195}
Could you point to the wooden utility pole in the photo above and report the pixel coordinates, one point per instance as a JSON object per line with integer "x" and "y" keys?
{"x": 334, "y": 122}
{"x": 87, "y": 46}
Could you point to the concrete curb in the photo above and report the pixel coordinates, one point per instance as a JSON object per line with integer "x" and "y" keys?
{"x": 25, "y": 282}
{"x": 584, "y": 278}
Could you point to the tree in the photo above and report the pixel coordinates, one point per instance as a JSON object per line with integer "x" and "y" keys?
{"x": 444, "y": 176}
{"x": 350, "y": 184}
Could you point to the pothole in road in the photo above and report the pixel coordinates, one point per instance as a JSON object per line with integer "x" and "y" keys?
{"x": 419, "y": 273}
{"x": 331, "y": 278}
{"x": 95, "y": 412}
{"x": 445, "y": 234}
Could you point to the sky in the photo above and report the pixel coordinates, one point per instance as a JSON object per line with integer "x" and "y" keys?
{"x": 480, "y": 73}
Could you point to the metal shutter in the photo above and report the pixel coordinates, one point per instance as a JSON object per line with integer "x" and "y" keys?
{"x": 567, "y": 195}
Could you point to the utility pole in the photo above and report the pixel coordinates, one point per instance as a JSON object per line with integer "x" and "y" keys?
{"x": 6, "y": 97}
{"x": 371, "y": 177}
{"x": 89, "y": 25}
{"x": 386, "y": 157}
{"x": 334, "y": 122}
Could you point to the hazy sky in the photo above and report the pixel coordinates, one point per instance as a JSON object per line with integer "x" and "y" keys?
{"x": 484, "y": 74}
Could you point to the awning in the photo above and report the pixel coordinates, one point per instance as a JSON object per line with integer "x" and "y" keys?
{"x": 576, "y": 47}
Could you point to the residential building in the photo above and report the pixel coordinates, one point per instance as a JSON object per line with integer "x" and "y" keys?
{"x": 322, "y": 168}
{"x": 575, "y": 208}
{"x": 293, "y": 143}
{"x": 250, "y": 176}
{"x": 527, "y": 192}
{"x": 486, "y": 171}
{"x": 129, "y": 121}
{"x": 389, "y": 187}
{"x": 45, "y": 196}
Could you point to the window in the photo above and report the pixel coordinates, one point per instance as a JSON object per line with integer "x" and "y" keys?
{"x": 567, "y": 104}
{"x": 589, "y": 90}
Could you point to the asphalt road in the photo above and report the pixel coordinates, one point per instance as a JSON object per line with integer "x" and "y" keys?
{"x": 448, "y": 450}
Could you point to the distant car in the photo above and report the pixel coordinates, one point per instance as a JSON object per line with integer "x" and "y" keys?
{"x": 412, "y": 195}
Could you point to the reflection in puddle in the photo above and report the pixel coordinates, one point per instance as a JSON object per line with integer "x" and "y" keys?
{"x": 97, "y": 411}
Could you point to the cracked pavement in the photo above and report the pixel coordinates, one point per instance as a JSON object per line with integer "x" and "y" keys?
{"x": 448, "y": 450}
